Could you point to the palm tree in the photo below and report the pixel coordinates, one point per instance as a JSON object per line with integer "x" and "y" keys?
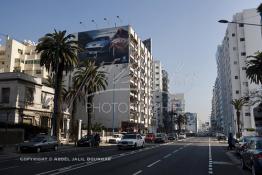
{"x": 180, "y": 120}
{"x": 58, "y": 55}
{"x": 88, "y": 80}
{"x": 238, "y": 104}
{"x": 254, "y": 68}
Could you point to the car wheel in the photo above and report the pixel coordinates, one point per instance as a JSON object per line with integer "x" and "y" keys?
{"x": 38, "y": 149}
{"x": 143, "y": 145}
{"x": 243, "y": 165}
{"x": 55, "y": 147}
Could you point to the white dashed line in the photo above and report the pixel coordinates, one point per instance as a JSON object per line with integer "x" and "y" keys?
{"x": 153, "y": 163}
{"x": 166, "y": 156}
{"x": 138, "y": 172}
{"x": 210, "y": 163}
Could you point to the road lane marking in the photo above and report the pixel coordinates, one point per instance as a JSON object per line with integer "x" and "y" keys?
{"x": 166, "y": 156}
{"x": 138, "y": 172}
{"x": 152, "y": 164}
{"x": 8, "y": 168}
{"x": 85, "y": 164}
{"x": 175, "y": 151}
{"x": 210, "y": 163}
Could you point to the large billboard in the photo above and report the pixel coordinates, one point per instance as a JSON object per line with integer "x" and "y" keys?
{"x": 105, "y": 46}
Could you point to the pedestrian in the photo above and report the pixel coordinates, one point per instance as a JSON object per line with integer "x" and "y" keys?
{"x": 97, "y": 139}
{"x": 231, "y": 141}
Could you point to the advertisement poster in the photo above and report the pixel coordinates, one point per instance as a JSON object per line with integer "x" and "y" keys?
{"x": 105, "y": 46}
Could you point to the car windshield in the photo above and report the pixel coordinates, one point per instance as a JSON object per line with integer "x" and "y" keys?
{"x": 116, "y": 136}
{"x": 259, "y": 144}
{"x": 129, "y": 136}
{"x": 87, "y": 137}
{"x": 37, "y": 139}
{"x": 101, "y": 39}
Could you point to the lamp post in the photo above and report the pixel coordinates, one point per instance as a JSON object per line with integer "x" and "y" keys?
{"x": 234, "y": 22}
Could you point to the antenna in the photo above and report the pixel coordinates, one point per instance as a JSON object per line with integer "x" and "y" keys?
{"x": 108, "y": 22}
{"x": 119, "y": 19}
{"x": 93, "y": 21}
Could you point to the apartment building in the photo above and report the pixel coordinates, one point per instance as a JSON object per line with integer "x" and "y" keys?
{"x": 192, "y": 123}
{"x": 126, "y": 104}
{"x": 157, "y": 95}
{"x": 16, "y": 56}
{"x": 240, "y": 41}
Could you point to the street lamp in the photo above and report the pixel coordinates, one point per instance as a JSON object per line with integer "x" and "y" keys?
{"x": 233, "y": 22}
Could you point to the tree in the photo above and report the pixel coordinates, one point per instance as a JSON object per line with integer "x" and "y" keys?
{"x": 89, "y": 79}
{"x": 238, "y": 104}
{"x": 180, "y": 120}
{"x": 58, "y": 55}
{"x": 254, "y": 68}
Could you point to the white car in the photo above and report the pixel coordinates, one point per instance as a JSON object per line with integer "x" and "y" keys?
{"x": 116, "y": 138}
{"x": 182, "y": 136}
{"x": 131, "y": 141}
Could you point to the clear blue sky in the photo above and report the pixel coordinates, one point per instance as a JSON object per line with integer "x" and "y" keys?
{"x": 185, "y": 33}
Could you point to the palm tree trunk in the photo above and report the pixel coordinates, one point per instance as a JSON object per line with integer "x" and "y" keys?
{"x": 89, "y": 112}
{"x": 73, "y": 133}
{"x": 238, "y": 123}
{"x": 57, "y": 102}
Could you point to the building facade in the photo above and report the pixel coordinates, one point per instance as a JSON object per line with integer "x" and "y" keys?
{"x": 192, "y": 123}
{"x": 126, "y": 104}
{"x": 239, "y": 42}
{"x": 16, "y": 56}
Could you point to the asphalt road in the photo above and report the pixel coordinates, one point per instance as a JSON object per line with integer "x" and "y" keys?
{"x": 196, "y": 156}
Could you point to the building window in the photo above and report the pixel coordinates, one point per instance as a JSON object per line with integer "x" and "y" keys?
{"x": 38, "y": 72}
{"x": 237, "y": 92}
{"x": 242, "y": 39}
{"x": 234, "y": 48}
{"x": 236, "y": 77}
{"x": 235, "y": 62}
{"x": 17, "y": 60}
{"x": 29, "y": 95}
{"x": 233, "y": 34}
{"x": 27, "y": 53}
{"x": 5, "y": 95}
{"x": 241, "y": 25}
{"x": 3, "y": 62}
{"x": 245, "y": 83}
{"x": 247, "y": 114}
{"x": 243, "y": 53}
{"x": 157, "y": 72}
{"x": 244, "y": 68}
{"x": 20, "y": 51}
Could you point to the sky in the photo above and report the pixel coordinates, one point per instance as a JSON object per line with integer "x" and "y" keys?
{"x": 185, "y": 34}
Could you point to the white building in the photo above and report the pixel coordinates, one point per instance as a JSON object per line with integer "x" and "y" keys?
{"x": 192, "y": 123}
{"x": 126, "y": 104}
{"x": 24, "y": 99}
{"x": 239, "y": 42}
{"x": 18, "y": 56}
{"x": 157, "y": 94}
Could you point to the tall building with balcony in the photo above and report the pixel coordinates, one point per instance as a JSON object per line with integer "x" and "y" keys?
{"x": 239, "y": 42}
{"x": 126, "y": 104}
{"x": 16, "y": 56}
{"x": 157, "y": 95}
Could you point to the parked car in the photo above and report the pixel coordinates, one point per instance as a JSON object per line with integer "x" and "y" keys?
{"x": 241, "y": 144}
{"x": 39, "y": 143}
{"x": 87, "y": 140}
{"x": 161, "y": 138}
{"x": 252, "y": 156}
{"x": 172, "y": 136}
{"x": 131, "y": 141}
{"x": 116, "y": 138}
{"x": 150, "y": 138}
{"x": 182, "y": 136}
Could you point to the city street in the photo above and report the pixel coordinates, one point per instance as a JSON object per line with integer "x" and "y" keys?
{"x": 190, "y": 156}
